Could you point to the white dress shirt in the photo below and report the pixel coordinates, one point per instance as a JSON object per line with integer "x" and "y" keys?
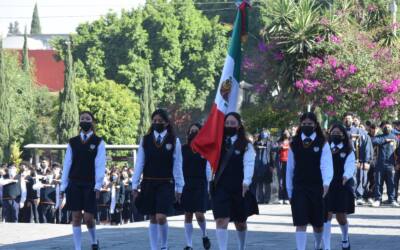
{"x": 249, "y": 158}
{"x": 326, "y": 166}
{"x": 100, "y": 164}
{"x": 177, "y": 168}
{"x": 350, "y": 163}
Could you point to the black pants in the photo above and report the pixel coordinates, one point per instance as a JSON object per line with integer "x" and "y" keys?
{"x": 46, "y": 213}
{"x": 282, "y": 181}
{"x": 384, "y": 175}
{"x": 25, "y": 213}
{"x": 263, "y": 192}
{"x": 10, "y": 211}
{"x": 371, "y": 183}
{"x": 66, "y": 216}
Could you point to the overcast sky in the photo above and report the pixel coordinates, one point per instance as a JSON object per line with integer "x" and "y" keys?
{"x": 58, "y": 16}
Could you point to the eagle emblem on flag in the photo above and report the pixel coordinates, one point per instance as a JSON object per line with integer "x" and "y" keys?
{"x": 226, "y": 88}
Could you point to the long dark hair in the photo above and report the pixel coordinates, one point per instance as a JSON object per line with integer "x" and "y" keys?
{"x": 242, "y": 141}
{"x": 164, "y": 115}
{"x": 318, "y": 129}
{"x": 347, "y": 143}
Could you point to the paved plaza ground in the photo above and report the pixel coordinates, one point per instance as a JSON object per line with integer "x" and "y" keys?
{"x": 371, "y": 229}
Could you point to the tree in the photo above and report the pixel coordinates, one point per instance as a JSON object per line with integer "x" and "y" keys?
{"x": 115, "y": 107}
{"x": 68, "y": 117}
{"x": 146, "y": 104}
{"x": 25, "y": 57}
{"x": 3, "y": 101}
{"x": 13, "y": 28}
{"x": 35, "y": 24}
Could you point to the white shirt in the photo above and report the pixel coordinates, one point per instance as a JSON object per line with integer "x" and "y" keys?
{"x": 350, "y": 163}
{"x": 249, "y": 158}
{"x": 100, "y": 164}
{"x": 177, "y": 168}
{"x": 326, "y": 166}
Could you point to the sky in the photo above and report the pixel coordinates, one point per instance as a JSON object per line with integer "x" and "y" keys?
{"x": 58, "y": 16}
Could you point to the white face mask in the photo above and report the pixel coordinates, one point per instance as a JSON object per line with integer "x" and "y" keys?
{"x": 50, "y": 178}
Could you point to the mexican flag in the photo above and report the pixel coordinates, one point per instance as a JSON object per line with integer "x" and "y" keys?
{"x": 208, "y": 142}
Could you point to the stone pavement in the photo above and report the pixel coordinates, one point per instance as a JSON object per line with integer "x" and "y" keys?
{"x": 371, "y": 229}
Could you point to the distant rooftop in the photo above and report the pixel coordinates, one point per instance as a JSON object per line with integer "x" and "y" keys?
{"x": 35, "y": 42}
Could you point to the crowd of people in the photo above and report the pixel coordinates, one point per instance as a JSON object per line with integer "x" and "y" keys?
{"x": 32, "y": 194}
{"x": 319, "y": 173}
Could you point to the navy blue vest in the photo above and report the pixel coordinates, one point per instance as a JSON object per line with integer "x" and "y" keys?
{"x": 48, "y": 195}
{"x": 194, "y": 166}
{"x": 307, "y": 169}
{"x": 232, "y": 176}
{"x": 159, "y": 159}
{"x": 339, "y": 159}
{"x": 12, "y": 191}
{"x": 83, "y": 158}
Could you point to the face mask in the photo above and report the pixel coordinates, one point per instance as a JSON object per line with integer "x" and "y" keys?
{"x": 230, "y": 131}
{"x": 307, "y": 130}
{"x": 114, "y": 178}
{"x": 86, "y": 126}
{"x": 192, "y": 135}
{"x": 336, "y": 139}
{"x": 50, "y": 178}
{"x": 158, "y": 127}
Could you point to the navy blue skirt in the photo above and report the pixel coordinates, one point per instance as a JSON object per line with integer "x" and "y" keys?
{"x": 195, "y": 196}
{"x": 81, "y": 197}
{"x": 156, "y": 197}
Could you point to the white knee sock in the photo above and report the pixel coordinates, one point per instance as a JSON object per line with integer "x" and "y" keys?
{"x": 202, "y": 226}
{"x": 92, "y": 232}
{"x": 327, "y": 235}
{"x": 345, "y": 232}
{"x": 77, "y": 234}
{"x": 163, "y": 235}
{"x": 153, "y": 236}
{"x": 242, "y": 239}
{"x": 188, "y": 234}
{"x": 318, "y": 240}
{"x": 301, "y": 240}
{"x": 222, "y": 238}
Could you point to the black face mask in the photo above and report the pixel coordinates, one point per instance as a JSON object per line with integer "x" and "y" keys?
{"x": 336, "y": 139}
{"x": 307, "y": 130}
{"x": 191, "y": 136}
{"x": 230, "y": 131}
{"x": 158, "y": 127}
{"x": 86, "y": 126}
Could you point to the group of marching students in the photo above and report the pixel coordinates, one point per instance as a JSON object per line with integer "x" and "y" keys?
{"x": 321, "y": 174}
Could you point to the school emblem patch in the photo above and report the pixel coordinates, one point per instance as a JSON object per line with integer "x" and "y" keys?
{"x": 237, "y": 152}
{"x": 226, "y": 88}
{"x": 168, "y": 146}
{"x": 343, "y": 155}
{"x": 316, "y": 149}
{"x": 92, "y": 146}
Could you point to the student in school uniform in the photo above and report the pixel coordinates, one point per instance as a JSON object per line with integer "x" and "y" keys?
{"x": 230, "y": 195}
{"x": 197, "y": 174}
{"x": 117, "y": 198}
{"x": 159, "y": 159}
{"x": 340, "y": 197}
{"x": 104, "y": 201}
{"x": 57, "y": 183}
{"x": 24, "y": 214}
{"x": 11, "y": 194}
{"x": 127, "y": 214}
{"x": 308, "y": 176}
{"x": 283, "y": 151}
{"x": 47, "y": 202}
{"x": 82, "y": 178}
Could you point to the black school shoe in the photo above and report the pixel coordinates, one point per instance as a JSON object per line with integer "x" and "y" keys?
{"x": 96, "y": 246}
{"x": 188, "y": 248}
{"x": 206, "y": 243}
{"x": 346, "y": 243}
